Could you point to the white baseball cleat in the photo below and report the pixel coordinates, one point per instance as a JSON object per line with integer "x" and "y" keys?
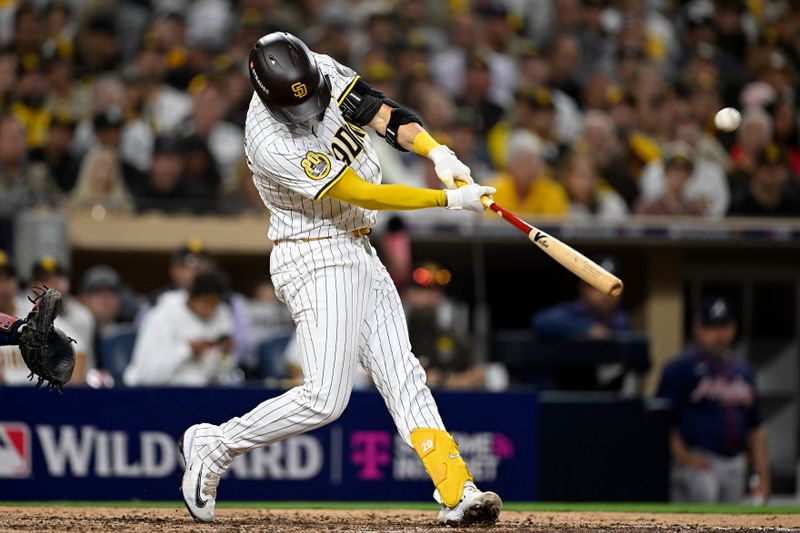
{"x": 475, "y": 507}
{"x": 199, "y": 484}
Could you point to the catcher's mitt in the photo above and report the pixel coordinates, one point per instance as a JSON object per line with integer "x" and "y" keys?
{"x": 47, "y": 351}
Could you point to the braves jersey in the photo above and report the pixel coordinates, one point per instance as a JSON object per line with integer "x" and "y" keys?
{"x": 714, "y": 400}
{"x": 294, "y": 165}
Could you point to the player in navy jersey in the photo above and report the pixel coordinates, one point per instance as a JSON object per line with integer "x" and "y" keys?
{"x": 718, "y": 436}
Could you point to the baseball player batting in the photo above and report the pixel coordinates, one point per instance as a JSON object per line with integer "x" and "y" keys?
{"x": 318, "y": 174}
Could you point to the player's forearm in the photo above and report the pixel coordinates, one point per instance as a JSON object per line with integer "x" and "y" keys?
{"x": 406, "y": 134}
{"x": 352, "y": 189}
{"x": 678, "y": 448}
{"x": 757, "y": 452}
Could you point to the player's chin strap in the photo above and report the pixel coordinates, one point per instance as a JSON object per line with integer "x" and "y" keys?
{"x": 443, "y": 462}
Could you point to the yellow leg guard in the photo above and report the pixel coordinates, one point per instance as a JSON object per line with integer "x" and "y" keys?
{"x": 442, "y": 460}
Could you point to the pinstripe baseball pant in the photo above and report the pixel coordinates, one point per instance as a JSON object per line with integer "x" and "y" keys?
{"x": 347, "y": 311}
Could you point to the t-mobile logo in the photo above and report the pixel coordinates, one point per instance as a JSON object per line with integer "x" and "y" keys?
{"x": 370, "y": 450}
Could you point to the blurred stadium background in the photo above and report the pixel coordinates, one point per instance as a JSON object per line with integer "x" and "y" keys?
{"x": 122, "y": 175}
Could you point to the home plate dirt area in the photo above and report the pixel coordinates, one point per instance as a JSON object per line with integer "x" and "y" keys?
{"x": 56, "y": 519}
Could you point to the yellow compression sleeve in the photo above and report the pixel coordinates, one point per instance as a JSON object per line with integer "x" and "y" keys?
{"x": 424, "y": 143}
{"x": 352, "y": 189}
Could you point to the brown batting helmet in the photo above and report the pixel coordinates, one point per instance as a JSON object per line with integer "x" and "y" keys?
{"x": 287, "y": 79}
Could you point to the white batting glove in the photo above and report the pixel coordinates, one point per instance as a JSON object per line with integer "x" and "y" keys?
{"x": 448, "y": 167}
{"x": 468, "y": 197}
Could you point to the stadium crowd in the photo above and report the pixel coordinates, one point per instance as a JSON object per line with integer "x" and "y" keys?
{"x": 572, "y": 108}
{"x": 580, "y": 108}
{"x": 196, "y": 331}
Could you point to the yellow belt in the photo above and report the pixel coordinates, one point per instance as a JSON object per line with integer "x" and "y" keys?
{"x": 355, "y": 233}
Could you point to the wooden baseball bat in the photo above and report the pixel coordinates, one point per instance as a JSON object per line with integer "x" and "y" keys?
{"x": 568, "y": 257}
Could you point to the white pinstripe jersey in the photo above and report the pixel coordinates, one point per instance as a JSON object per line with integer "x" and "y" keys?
{"x": 294, "y": 164}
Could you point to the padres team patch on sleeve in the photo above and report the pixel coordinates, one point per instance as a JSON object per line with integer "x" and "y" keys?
{"x": 316, "y": 165}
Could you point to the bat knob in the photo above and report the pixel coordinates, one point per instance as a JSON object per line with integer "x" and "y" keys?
{"x": 616, "y": 289}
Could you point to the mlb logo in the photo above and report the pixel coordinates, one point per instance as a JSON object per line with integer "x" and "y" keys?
{"x": 15, "y": 450}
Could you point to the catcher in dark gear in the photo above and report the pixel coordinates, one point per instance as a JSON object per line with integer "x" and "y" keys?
{"x": 46, "y": 350}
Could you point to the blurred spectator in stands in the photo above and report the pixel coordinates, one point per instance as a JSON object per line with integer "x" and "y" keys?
{"x": 74, "y": 318}
{"x": 114, "y": 307}
{"x": 441, "y": 109}
{"x": 137, "y": 136}
{"x": 678, "y": 168}
{"x": 59, "y": 29}
{"x": 695, "y": 127}
{"x": 272, "y": 330}
{"x": 109, "y": 301}
{"x": 165, "y": 108}
{"x": 593, "y": 35}
{"x": 787, "y": 132}
{"x": 395, "y": 249}
{"x": 29, "y": 106}
{"x": 201, "y": 174}
{"x": 679, "y": 120}
{"x": 236, "y": 84}
{"x": 717, "y": 428}
{"x": 107, "y": 102}
{"x": 732, "y": 38}
{"x": 380, "y": 32}
{"x": 770, "y": 192}
{"x": 223, "y": 140}
{"x": 109, "y": 130}
{"x": 438, "y": 338}
{"x": 647, "y": 92}
{"x": 535, "y": 114}
{"x": 594, "y": 315}
{"x": 524, "y": 186}
{"x": 65, "y": 96}
{"x": 184, "y": 265}
{"x": 239, "y": 194}
{"x": 8, "y": 78}
{"x": 13, "y": 370}
{"x": 641, "y": 148}
{"x": 267, "y": 314}
{"x": 409, "y": 70}
{"x": 498, "y": 33}
{"x": 475, "y": 98}
{"x": 706, "y": 185}
{"x": 166, "y": 188}
{"x": 587, "y": 199}
{"x": 23, "y": 183}
{"x": 611, "y": 155}
{"x": 754, "y": 134}
{"x": 565, "y": 60}
{"x": 101, "y": 188}
{"x": 536, "y": 70}
{"x": 449, "y": 65}
{"x": 98, "y": 50}
{"x": 107, "y": 127}
{"x": 469, "y": 145}
{"x": 100, "y": 294}
{"x": 8, "y": 286}
{"x": 167, "y": 32}
{"x": 57, "y": 155}
{"x": 27, "y": 35}
{"x": 186, "y": 338}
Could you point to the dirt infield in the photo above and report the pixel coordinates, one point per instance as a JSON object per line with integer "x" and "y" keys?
{"x": 73, "y": 519}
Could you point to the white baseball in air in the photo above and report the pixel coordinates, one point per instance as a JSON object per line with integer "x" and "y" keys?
{"x": 727, "y": 119}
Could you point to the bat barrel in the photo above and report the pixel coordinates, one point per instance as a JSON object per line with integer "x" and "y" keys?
{"x": 568, "y": 257}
